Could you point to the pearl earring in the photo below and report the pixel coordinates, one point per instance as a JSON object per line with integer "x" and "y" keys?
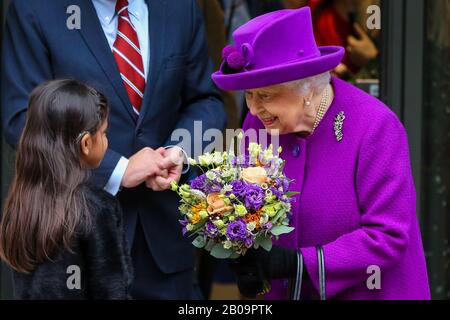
{"x": 308, "y": 103}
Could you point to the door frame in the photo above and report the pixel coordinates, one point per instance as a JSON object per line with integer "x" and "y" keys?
{"x": 403, "y": 27}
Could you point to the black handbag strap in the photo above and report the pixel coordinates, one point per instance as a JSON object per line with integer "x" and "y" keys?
{"x": 296, "y": 284}
{"x": 321, "y": 263}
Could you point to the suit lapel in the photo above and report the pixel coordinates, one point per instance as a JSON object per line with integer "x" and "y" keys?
{"x": 157, "y": 26}
{"x": 92, "y": 33}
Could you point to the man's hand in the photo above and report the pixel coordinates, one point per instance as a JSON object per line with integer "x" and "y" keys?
{"x": 173, "y": 163}
{"x": 143, "y": 165}
{"x": 361, "y": 50}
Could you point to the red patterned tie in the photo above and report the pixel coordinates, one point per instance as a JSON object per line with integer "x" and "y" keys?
{"x": 128, "y": 56}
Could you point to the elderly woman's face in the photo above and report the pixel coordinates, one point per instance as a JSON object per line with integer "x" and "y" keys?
{"x": 280, "y": 108}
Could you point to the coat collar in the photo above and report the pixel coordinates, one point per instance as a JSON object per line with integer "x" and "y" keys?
{"x": 92, "y": 33}
{"x": 157, "y": 25}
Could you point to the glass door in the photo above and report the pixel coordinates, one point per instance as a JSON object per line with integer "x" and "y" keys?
{"x": 436, "y": 145}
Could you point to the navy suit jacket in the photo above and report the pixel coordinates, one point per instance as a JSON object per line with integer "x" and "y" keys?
{"x": 38, "y": 46}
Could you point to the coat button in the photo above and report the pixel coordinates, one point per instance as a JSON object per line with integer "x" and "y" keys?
{"x": 296, "y": 151}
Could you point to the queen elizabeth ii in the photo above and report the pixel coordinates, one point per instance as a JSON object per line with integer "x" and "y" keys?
{"x": 356, "y": 232}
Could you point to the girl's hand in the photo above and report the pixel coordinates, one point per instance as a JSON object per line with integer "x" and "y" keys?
{"x": 141, "y": 166}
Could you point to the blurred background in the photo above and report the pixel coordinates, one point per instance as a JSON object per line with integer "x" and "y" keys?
{"x": 398, "y": 51}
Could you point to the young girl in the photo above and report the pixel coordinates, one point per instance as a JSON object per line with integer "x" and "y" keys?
{"x": 61, "y": 235}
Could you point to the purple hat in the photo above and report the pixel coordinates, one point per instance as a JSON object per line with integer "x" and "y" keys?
{"x": 274, "y": 48}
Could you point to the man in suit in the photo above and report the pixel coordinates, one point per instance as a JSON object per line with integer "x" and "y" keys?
{"x": 150, "y": 59}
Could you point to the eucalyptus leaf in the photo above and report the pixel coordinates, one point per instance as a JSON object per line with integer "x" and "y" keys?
{"x": 234, "y": 255}
{"x": 199, "y": 242}
{"x": 278, "y": 230}
{"x": 291, "y": 194}
{"x": 266, "y": 243}
{"x": 219, "y": 252}
{"x": 210, "y": 245}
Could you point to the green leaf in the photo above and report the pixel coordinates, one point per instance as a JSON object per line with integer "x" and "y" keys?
{"x": 234, "y": 255}
{"x": 266, "y": 243}
{"x": 219, "y": 252}
{"x": 291, "y": 194}
{"x": 277, "y": 230}
{"x": 210, "y": 245}
{"x": 199, "y": 242}
{"x": 199, "y": 226}
{"x": 279, "y": 215}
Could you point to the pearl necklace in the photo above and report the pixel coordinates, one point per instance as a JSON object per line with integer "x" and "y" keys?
{"x": 322, "y": 107}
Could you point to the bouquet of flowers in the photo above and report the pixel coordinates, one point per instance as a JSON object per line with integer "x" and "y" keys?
{"x": 238, "y": 203}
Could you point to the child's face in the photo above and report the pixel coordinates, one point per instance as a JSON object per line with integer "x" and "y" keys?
{"x": 94, "y": 147}
{"x": 100, "y": 144}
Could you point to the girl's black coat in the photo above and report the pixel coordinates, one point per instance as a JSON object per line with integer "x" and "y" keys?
{"x": 99, "y": 266}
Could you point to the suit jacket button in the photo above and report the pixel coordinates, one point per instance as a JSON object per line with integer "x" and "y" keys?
{"x": 296, "y": 151}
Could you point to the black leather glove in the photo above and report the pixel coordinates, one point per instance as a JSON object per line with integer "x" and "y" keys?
{"x": 258, "y": 266}
{"x": 249, "y": 277}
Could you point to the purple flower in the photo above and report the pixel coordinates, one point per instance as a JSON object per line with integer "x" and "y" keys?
{"x": 277, "y": 193}
{"x": 254, "y": 197}
{"x": 283, "y": 183}
{"x": 291, "y": 200}
{"x": 237, "y": 231}
{"x": 267, "y": 226}
{"x": 229, "y": 49}
{"x": 236, "y": 60}
{"x": 184, "y": 223}
{"x": 203, "y": 184}
{"x": 199, "y": 183}
{"x": 211, "y": 231}
{"x": 239, "y": 188}
{"x": 249, "y": 240}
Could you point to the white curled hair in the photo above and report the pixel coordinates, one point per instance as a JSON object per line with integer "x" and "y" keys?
{"x": 315, "y": 84}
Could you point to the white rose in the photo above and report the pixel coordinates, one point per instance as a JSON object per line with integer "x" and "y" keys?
{"x": 254, "y": 175}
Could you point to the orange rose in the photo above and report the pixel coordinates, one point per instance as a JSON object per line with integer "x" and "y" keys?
{"x": 212, "y": 197}
{"x": 255, "y": 175}
{"x": 217, "y": 205}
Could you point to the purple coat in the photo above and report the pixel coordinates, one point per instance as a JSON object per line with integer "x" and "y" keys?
{"x": 357, "y": 199}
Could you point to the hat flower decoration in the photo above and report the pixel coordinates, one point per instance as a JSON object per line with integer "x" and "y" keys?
{"x": 235, "y": 60}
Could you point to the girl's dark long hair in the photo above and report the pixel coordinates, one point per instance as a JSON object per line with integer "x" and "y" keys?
{"x": 46, "y": 204}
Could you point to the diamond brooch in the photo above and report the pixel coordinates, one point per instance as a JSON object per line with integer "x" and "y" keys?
{"x": 338, "y": 124}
